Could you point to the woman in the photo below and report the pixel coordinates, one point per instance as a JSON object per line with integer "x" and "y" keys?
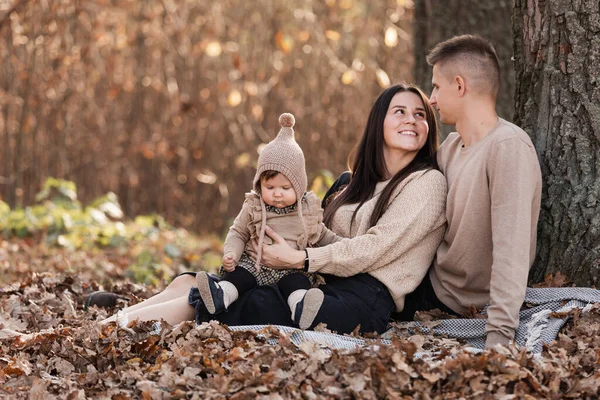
{"x": 391, "y": 214}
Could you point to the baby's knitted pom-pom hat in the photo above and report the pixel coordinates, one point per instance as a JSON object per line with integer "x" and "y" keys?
{"x": 284, "y": 155}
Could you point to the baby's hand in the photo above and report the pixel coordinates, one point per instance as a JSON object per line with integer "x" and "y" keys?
{"x": 229, "y": 261}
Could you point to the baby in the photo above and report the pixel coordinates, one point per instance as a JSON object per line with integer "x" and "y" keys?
{"x": 279, "y": 200}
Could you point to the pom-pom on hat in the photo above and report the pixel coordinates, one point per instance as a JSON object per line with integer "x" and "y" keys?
{"x": 283, "y": 155}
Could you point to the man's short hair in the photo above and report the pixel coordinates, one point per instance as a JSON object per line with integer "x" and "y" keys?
{"x": 472, "y": 56}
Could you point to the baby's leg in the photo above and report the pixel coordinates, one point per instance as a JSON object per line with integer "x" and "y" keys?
{"x": 294, "y": 287}
{"x": 218, "y": 295}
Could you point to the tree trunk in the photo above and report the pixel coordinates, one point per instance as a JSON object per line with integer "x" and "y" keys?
{"x": 557, "y": 47}
{"x": 437, "y": 20}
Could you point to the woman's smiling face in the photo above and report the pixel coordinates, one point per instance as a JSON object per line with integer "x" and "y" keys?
{"x": 405, "y": 127}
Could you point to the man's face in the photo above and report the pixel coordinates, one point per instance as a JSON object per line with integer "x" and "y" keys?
{"x": 444, "y": 96}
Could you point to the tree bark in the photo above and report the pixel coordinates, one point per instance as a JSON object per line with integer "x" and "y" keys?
{"x": 438, "y": 20}
{"x": 557, "y": 101}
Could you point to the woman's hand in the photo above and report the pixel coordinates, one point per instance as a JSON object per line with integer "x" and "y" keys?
{"x": 280, "y": 255}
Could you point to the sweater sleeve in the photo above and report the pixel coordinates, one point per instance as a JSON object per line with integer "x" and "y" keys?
{"x": 411, "y": 216}
{"x": 514, "y": 178}
{"x": 328, "y": 236}
{"x": 239, "y": 233}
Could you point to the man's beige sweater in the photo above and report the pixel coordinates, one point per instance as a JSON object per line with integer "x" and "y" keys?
{"x": 494, "y": 189}
{"x": 399, "y": 249}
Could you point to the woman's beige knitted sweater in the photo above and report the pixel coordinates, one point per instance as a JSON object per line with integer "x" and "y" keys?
{"x": 399, "y": 249}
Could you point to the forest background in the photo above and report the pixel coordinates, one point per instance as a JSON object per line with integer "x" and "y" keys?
{"x": 166, "y": 104}
{"x": 129, "y": 132}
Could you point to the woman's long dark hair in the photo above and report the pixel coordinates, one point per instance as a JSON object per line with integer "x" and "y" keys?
{"x": 369, "y": 166}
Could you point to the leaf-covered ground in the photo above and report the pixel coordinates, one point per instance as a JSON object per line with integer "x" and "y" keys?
{"x": 54, "y": 253}
{"x": 67, "y": 354}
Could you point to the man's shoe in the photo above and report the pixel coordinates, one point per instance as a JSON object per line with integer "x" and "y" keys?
{"x": 308, "y": 308}
{"x": 210, "y": 292}
{"x": 102, "y": 299}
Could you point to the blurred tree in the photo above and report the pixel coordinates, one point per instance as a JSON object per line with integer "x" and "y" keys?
{"x": 167, "y": 103}
{"x": 438, "y": 20}
{"x": 557, "y": 102}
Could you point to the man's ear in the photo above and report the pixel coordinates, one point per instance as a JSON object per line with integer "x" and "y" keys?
{"x": 460, "y": 85}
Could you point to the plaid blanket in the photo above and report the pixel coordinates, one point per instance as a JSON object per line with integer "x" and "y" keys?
{"x": 536, "y": 325}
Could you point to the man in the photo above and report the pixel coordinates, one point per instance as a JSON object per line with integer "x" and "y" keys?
{"x": 494, "y": 190}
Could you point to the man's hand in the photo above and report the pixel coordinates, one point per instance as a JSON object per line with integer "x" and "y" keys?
{"x": 229, "y": 261}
